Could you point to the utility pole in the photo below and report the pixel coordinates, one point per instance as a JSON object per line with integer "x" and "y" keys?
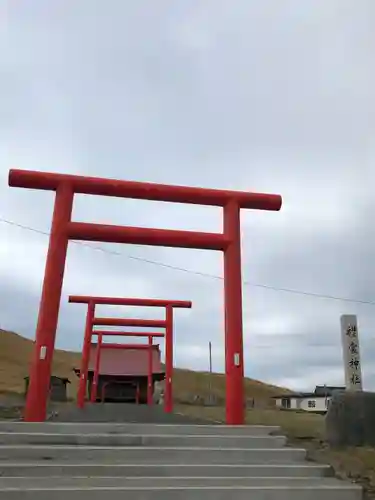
{"x": 210, "y": 377}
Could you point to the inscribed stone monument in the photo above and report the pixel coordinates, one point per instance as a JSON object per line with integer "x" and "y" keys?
{"x": 351, "y": 354}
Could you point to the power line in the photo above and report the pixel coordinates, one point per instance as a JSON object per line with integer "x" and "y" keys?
{"x": 190, "y": 271}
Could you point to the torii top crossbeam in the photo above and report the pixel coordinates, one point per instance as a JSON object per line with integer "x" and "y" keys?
{"x": 143, "y": 191}
{"x": 129, "y": 347}
{"x": 153, "y": 323}
{"x": 129, "y": 301}
{"x": 117, "y": 333}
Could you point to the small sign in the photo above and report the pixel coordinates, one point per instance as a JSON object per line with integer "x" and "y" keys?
{"x": 43, "y": 352}
{"x": 351, "y": 354}
{"x": 237, "y": 359}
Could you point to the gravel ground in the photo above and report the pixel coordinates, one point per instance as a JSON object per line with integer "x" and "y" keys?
{"x": 118, "y": 412}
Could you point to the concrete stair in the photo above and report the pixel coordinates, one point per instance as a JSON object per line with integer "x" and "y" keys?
{"x": 144, "y": 461}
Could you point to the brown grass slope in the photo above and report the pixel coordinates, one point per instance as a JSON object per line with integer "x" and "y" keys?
{"x": 303, "y": 429}
{"x": 15, "y": 355}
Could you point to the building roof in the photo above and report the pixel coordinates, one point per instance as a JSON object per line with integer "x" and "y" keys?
{"x": 132, "y": 362}
{"x": 320, "y": 391}
{"x": 295, "y": 395}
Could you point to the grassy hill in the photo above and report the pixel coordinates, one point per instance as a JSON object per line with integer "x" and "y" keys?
{"x": 15, "y": 355}
{"x": 303, "y": 429}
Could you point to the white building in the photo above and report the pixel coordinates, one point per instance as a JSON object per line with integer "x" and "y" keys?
{"x": 317, "y": 401}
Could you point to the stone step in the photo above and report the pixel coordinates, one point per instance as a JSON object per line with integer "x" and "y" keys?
{"x": 136, "y": 428}
{"x": 144, "y": 454}
{"x": 178, "y": 488}
{"x": 218, "y": 441}
{"x": 46, "y": 469}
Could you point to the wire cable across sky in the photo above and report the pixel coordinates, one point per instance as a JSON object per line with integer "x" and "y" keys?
{"x": 197, "y": 273}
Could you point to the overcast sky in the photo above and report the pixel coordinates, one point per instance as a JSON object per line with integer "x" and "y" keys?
{"x": 273, "y": 96}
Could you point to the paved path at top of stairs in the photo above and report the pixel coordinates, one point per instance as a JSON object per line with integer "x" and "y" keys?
{"x": 115, "y": 412}
{"x": 175, "y": 458}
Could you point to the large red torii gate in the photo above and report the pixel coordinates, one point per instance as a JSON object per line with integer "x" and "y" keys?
{"x": 167, "y": 324}
{"x": 63, "y": 229}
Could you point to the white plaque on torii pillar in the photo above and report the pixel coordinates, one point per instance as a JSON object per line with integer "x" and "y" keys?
{"x": 351, "y": 353}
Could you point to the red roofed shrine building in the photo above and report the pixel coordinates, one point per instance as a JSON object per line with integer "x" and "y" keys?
{"x": 123, "y": 373}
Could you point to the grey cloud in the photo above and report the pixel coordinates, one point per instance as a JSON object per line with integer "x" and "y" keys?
{"x": 270, "y": 96}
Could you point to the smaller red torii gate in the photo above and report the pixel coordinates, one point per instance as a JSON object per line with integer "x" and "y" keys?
{"x": 91, "y": 321}
{"x": 138, "y": 347}
{"x": 150, "y": 336}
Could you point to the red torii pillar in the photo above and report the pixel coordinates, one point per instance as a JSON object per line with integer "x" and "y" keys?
{"x": 63, "y": 229}
{"x": 95, "y": 378}
{"x": 150, "y": 336}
